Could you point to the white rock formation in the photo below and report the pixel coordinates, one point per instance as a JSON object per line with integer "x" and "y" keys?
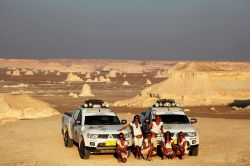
{"x": 8, "y": 72}
{"x": 112, "y": 74}
{"x": 74, "y": 95}
{"x": 21, "y": 85}
{"x": 248, "y": 107}
{"x": 86, "y": 90}
{"x": 125, "y": 83}
{"x": 187, "y": 110}
{"x": 58, "y": 73}
{"x": 148, "y": 82}
{"x": 73, "y": 77}
{"x": 90, "y": 80}
{"x": 160, "y": 74}
{"x": 29, "y": 72}
{"x": 15, "y": 73}
{"x": 21, "y": 92}
{"x": 35, "y": 71}
{"x": 87, "y": 75}
{"x": 24, "y": 106}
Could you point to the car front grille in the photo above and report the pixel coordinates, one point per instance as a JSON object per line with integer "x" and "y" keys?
{"x": 103, "y": 136}
{"x": 106, "y": 136}
{"x": 115, "y": 136}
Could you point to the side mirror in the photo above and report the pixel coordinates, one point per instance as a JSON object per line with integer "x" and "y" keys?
{"x": 193, "y": 120}
{"x": 78, "y": 122}
{"x": 124, "y": 122}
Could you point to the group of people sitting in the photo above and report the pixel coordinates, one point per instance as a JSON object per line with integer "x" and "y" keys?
{"x": 147, "y": 147}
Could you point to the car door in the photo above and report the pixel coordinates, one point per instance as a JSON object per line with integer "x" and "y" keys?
{"x": 73, "y": 121}
{"x": 77, "y": 126}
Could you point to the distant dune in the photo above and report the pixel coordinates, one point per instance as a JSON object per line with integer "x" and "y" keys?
{"x": 198, "y": 83}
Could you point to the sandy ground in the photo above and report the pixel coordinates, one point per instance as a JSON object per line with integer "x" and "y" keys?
{"x": 39, "y": 142}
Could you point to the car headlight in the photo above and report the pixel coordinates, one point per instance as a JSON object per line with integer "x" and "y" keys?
{"x": 126, "y": 135}
{"x": 191, "y": 134}
{"x": 93, "y": 136}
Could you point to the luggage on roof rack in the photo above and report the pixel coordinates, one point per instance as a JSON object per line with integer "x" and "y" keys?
{"x": 166, "y": 103}
{"x": 95, "y": 103}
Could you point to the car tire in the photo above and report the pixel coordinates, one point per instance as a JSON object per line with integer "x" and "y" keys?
{"x": 83, "y": 151}
{"x": 67, "y": 141}
{"x": 194, "y": 151}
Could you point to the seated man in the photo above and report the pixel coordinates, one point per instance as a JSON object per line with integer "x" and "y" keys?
{"x": 181, "y": 148}
{"x": 121, "y": 148}
{"x": 147, "y": 147}
{"x": 167, "y": 145}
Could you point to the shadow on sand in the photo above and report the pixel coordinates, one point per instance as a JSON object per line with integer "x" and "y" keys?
{"x": 240, "y": 103}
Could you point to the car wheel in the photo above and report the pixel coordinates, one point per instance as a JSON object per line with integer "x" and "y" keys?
{"x": 67, "y": 141}
{"x": 194, "y": 151}
{"x": 83, "y": 151}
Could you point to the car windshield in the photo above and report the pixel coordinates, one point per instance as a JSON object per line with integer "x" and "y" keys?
{"x": 101, "y": 120}
{"x": 174, "y": 119}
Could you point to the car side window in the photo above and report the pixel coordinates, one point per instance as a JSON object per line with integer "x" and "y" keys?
{"x": 75, "y": 115}
{"x": 148, "y": 115}
{"x": 79, "y": 117}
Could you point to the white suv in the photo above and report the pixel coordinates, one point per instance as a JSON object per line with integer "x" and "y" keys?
{"x": 175, "y": 120}
{"x": 94, "y": 127}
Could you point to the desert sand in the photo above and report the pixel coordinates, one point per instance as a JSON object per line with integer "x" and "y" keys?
{"x": 34, "y": 144}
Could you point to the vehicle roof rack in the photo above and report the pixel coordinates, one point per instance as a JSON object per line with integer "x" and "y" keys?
{"x": 95, "y": 104}
{"x": 166, "y": 103}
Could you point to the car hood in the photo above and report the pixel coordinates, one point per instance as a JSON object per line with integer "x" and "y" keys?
{"x": 178, "y": 127}
{"x": 104, "y": 129}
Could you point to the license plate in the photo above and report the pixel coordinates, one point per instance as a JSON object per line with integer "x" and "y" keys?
{"x": 110, "y": 143}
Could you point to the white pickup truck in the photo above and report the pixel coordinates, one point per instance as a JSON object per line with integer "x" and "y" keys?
{"x": 94, "y": 127}
{"x": 175, "y": 120}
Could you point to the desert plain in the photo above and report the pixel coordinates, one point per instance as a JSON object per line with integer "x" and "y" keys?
{"x": 35, "y": 93}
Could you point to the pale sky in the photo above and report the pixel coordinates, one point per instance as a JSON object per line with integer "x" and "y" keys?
{"x": 126, "y": 29}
